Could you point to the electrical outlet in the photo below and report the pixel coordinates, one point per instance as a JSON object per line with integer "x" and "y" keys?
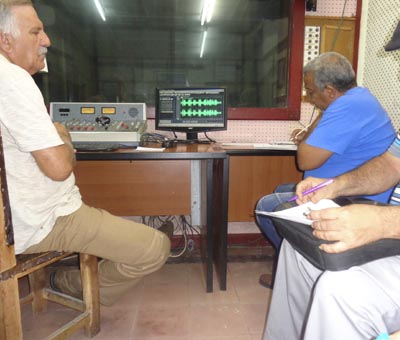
{"x": 190, "y": 245}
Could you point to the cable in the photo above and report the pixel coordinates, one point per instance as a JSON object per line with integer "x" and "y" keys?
{"x": 210, "y": 139}
{"x": 182, "y": 224}
{"x": 188, "y": 225}
{"x": 339, "y": 27}
{"x": 185, "y": 239}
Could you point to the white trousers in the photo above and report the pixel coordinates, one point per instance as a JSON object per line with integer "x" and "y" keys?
{"x": 358, "y": 303}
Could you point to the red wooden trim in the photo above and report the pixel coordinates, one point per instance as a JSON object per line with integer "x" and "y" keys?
{"x": 357, "y": 34}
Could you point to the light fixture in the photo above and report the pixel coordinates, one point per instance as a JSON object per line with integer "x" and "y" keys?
{"x": 100, "y": 9}
{"x": 203, "y": 42}
{"x": 207, "y": 12}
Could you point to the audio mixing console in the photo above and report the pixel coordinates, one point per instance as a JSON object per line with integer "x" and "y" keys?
{"x": 122, "y": 123}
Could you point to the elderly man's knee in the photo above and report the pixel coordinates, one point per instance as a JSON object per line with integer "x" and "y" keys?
{"x": 340, "y": 286}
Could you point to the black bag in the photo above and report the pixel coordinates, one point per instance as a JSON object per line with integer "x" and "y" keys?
{"x": 301, "y": 238}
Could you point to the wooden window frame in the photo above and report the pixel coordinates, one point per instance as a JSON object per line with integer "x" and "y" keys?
{"x": 295, "y": 67}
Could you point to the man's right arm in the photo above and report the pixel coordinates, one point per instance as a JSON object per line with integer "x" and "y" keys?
{"x": 375, "y": 176}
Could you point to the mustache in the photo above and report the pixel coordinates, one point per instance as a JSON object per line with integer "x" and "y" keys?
{"x": 42, "y": 51}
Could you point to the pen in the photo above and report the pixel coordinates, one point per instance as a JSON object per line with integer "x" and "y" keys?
{"x": 309, "y": 191}
{"x": 304, "y": 129}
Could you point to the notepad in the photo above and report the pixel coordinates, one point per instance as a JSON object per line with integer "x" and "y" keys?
{"x": 300, "y": 212}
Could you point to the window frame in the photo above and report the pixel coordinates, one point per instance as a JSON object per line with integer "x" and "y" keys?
{"x": 295, "y": 67}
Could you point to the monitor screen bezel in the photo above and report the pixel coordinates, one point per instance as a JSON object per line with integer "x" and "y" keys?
{"x": 190, "y": 129}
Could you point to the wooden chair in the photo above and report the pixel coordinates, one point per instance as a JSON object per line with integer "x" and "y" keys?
{"x": 13, "y": 267}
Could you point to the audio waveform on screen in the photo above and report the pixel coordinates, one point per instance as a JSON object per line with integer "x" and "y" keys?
{"x": 205, "y": 102}
{"x": 200, "y": 113}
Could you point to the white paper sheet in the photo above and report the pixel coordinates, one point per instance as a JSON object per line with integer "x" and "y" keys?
{"x": 299, "y": 213}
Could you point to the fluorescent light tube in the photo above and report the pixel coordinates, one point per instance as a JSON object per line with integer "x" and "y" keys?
{"x": 210, "y": 10}
{"x": 207, "y": 12}
{"x": 203, "y": 43}
{"x": 100, "y": 9}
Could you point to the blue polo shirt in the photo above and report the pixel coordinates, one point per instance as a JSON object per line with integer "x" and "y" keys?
{"x": 355, "y": 128}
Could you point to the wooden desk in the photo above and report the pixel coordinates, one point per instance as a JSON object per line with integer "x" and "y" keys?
{"x": 255, "y": 173}
{"x": 214, "y": 180}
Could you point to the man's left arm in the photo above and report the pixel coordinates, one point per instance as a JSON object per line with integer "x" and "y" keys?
{"x": 57, "y": 162}
{"x": 355, "y": 225}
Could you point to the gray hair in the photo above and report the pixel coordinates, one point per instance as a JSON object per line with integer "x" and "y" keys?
{"x": 8, "y": 23}
{"x": 333, "y": 69}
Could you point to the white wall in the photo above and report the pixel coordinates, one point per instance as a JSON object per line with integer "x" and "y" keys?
{"x": 380, "y": 70}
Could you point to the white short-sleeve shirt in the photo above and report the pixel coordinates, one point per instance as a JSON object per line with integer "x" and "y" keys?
{"x": 36, "y": 200}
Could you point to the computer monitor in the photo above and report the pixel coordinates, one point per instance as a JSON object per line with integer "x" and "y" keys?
{"x": 191, "y": 110}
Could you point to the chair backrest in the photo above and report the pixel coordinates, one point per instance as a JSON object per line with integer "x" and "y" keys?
{"x": 7, "y": 253}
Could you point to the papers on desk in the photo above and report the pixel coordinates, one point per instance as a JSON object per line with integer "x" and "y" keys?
{"x": 269, "y": 146}
{"x": 276, "y": 146}
{"x": 299, "y": 213}
{"x": 145, "y": 149}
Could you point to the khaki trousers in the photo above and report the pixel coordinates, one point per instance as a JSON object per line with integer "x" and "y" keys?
{"x": 128, "y": 250}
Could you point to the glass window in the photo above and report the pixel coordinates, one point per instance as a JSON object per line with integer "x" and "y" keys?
{"x": 243, "y": 45}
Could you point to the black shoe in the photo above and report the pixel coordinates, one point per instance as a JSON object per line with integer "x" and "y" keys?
{"x": 266, "y": 280}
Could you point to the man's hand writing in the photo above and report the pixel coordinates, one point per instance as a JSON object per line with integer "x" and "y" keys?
{"x": 350, "y": 226}
{"x": 315, "y": 196}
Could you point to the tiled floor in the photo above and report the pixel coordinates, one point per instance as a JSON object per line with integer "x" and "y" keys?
{"x": 172, "y": 305}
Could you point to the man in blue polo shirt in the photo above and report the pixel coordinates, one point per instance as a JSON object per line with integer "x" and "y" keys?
{"x": 362, "y": 302}
{"x": 352, "y": 129}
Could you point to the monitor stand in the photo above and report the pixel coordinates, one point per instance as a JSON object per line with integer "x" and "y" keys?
{"x": 192, "y": 136}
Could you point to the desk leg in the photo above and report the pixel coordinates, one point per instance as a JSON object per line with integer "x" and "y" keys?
{"x": 208, "y": 228}
{"x": 220, "y": 218}
{"x": 215, "y": 232}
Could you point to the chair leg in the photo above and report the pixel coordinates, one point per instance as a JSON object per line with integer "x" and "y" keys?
{"x": 91, "y": 299}
{"x": 10, "y": 310}
{"x": 37, "y": 283}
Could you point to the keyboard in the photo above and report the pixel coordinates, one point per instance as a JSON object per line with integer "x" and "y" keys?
{"x": 90, "y": 146}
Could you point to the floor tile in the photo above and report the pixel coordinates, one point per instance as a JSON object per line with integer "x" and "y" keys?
{"x": 172, "y": 304}
{"x": 217, "y": 320}
{"x": 161, "y": 322}
{"x": 254, "y": 315}
{"x": 245, "y": 277}
{"x": 244, "y": 337}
